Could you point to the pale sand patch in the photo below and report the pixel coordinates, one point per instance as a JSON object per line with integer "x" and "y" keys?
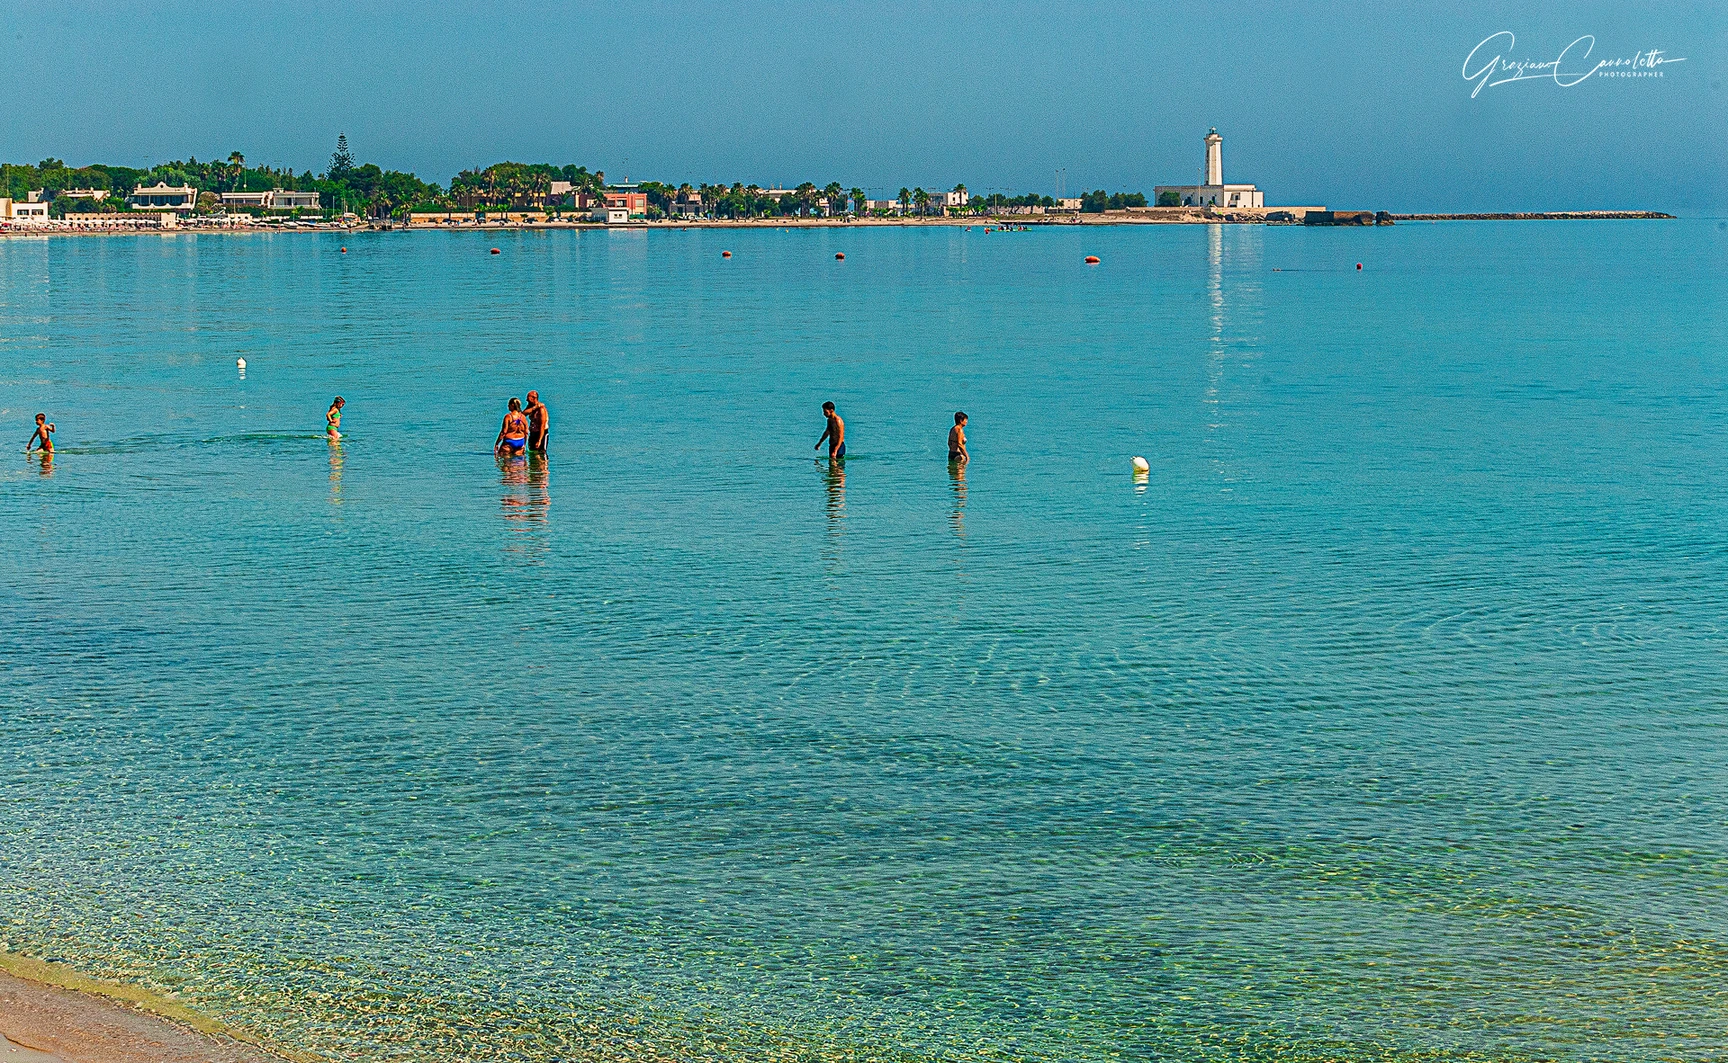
{"x": 47, "y": 1024}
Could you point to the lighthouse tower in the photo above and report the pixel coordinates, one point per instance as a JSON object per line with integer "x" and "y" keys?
{"x": 1212, "y": 192}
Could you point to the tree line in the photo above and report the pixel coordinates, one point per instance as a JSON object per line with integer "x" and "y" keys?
{"x": 371, "y": 191}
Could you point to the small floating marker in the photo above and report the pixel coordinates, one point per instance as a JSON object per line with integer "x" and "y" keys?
{"x": 1091, "y": 260}
{"x": 240, "y": 364}
{"x": 495, "y": 251}
{"x": 841, "y": 255}
{"x": 344, "y": 250}
{"x": 1358, "y": 267}
{"x": 725, "y": 254}
{"x": 1140, "y": 465}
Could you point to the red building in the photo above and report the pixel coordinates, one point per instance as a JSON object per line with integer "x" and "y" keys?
{"x": 634, "y": 202}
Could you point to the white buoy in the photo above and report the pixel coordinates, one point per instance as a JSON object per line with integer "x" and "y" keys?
{"x": 240, "y": 363}
{"x": 1140, "y": 465}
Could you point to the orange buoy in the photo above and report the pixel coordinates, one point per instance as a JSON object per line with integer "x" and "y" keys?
{"x": 1091, "y": 260}
{"x": 1358, "y": 267}
{"x": 495, "y": 251}
{"x": 344, "y": 250}
{"x": 725, "y": 254}
{"x": 841, "y": 255}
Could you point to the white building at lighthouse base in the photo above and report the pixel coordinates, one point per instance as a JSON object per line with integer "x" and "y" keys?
{"x": 1209, "y": 196}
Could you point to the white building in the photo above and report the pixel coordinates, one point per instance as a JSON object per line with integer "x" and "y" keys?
{"x": 95, "y": 195}
{"x": 1213, "y": 192}
{"x": 276, "y": 199}
{"x": 288, "y": 199}
{"x": 611, "y": 215}
{"x": 30, "y": 212}
{"x": 163, "y": 196}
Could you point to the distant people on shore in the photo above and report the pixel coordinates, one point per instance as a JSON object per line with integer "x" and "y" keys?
{"x": 333, "y": 419}
{"x": 834, "y": 434}
{"x": 43, "y": 436}
{"x": 539, "y": 422}
{"x": 957, "y": 440}
{"x": 513, "y": 436}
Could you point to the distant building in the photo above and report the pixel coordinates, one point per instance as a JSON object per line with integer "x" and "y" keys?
{"x": 95, "y": 195}
{"x": 163, "y": 196}
{"x": 688, "y": 205}
{"x": 1067, "y": 204}
{"x": 942, "y": 202}
{"x": 883, "y": 204}
{"x": 121, "y": 221}
{"x": 613, "y": 215}
{"x": 634, "y": 204}
{"x": 273, "y": 199}
{"x": 1214, "y": 192}
{"x": 288, "y": 199}
{"x": 257, "y": 200}
{"x": 29, "y": 212}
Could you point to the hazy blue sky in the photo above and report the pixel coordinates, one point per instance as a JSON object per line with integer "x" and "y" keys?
{"x": 1351, "y": 105}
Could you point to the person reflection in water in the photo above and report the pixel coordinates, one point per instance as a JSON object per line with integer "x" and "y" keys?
{"x": 957, "y": 475}
{"x": 834, "y": 479}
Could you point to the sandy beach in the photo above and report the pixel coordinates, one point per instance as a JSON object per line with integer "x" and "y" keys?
{"x": 58, "y": 1016}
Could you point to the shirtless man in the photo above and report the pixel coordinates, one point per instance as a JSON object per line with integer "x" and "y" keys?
{"x": 539, "y": 422}
{"x": 44, "y": 435}
{"x": 957, "y": 440}
{"x": 835, "y": 433}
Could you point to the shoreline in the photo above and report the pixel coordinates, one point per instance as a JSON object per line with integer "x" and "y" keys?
{"x": 51, "y": 1013}
{"x": 1139, "y": 216}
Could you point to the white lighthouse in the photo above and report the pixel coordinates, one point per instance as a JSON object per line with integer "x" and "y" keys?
{"x": 1214, "y": 192}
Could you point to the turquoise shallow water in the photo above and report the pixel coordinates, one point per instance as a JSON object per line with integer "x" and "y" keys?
{"x": 1387, "y": 718}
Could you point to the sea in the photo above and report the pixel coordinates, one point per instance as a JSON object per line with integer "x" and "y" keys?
{"x": 1384, "y": 717}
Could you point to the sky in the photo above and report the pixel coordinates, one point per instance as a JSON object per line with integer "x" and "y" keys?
{"x": 1352, "y": 105}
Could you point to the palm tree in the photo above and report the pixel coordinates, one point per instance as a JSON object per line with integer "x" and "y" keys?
{"x": 923, "y": 200}
{"x": 236, "y": 167}
{"x": 905, "y": 199}
{"x": 858, "y": 201}
{"x": 834, "y": 192}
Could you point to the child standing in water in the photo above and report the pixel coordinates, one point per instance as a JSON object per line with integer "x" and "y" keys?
{"x": 44, "y": 435}
{"x": 957, "y": 440}
{"x": 333, "y": 418}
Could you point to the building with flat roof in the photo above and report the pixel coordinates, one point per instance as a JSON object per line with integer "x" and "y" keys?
{"x": 28, "y": 212}
{"x": 95, "y": 195}
{"x": 635, "y": 204}
{"x": 163, "y": 196}
{"x": 1212, "y": 192}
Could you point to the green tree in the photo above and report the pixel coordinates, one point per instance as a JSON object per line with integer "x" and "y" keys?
{"x": 905, "y": 198}
{"x": 922, "y": 198}
{"x": 858, "y": 201}
{"x": 341, "y": 160}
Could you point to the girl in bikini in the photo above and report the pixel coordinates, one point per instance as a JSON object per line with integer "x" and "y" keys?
{"x": 333, "y": 419}
{"x": 513, "y": 437}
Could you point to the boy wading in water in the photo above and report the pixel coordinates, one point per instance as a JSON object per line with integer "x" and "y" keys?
{"x": 835, "y": 433}
{"x": 957, "y": 440}
{"x": 333, "y": 420}
{"x": 539, "y": 422}
{"x": 43, "y": 436}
